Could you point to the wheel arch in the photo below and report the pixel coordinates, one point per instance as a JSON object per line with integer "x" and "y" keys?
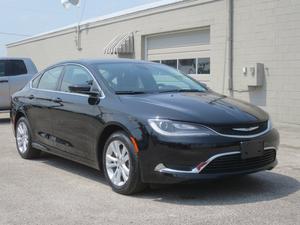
{"x": 105, "y": 134}
{"x": 17, "y": 116}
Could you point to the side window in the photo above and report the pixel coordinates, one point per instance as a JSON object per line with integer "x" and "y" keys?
{"x": 75, "y": 75}
{"x": 35, "y": 81}
{"x": 50, "y": 78}
{"x": 16, "y": 67}
{"x": 2, "y": 68}
{"x": 12, "y": 67}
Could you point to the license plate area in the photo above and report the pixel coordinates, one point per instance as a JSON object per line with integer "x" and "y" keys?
{"x": 251, "y": 149}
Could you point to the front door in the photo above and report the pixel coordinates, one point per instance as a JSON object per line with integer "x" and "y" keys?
{"x": 75, "y": 121}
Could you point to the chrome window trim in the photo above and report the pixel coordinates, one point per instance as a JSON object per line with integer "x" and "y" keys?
{"x": 67, "y": 64}
{"x": 163, "y": 169}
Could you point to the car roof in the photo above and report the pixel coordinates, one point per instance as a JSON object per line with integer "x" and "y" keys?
{"x": 108, "y": 60}
{"x": 14, "y": 58}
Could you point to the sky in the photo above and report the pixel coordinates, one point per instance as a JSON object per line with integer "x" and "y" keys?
{"x": 23, "y": 18}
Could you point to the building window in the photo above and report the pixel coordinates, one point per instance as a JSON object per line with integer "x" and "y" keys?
{"x": 156, "y": 61}
{"x": 170, "y": 62}
{"x": 203, "y": 66}
{"x": 191, "y": 66}
{"x": 187, "y": 66}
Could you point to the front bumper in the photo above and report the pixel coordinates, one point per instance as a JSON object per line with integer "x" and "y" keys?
{"x": 172, "y": 161}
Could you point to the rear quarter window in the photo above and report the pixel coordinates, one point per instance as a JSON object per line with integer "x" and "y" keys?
{"x": 35, "y": 81}
{"x": 49, "y": 80}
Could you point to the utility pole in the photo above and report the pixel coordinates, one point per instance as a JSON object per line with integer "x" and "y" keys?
{"x": 67, "y": 4}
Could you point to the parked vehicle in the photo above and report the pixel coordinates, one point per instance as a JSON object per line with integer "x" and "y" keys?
{"x": 140, "y": 122}
{"x": 14, "y": 74}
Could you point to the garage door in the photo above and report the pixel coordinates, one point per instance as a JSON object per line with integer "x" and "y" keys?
{"x": 188, "y": 51}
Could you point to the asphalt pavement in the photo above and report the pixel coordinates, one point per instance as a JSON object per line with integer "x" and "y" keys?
{"x": 52, "y": 190}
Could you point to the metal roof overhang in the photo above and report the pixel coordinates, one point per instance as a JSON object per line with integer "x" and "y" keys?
{"x": 121, "y": 44}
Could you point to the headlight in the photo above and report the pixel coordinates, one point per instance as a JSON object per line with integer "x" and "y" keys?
{"x": 270, "y": 124}
{"x": 174, "y": 128}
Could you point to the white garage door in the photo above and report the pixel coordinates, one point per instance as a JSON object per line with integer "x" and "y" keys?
{"x": 188, "y": 51}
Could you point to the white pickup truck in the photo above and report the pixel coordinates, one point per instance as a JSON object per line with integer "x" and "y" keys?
{"x": 14, "y": 75}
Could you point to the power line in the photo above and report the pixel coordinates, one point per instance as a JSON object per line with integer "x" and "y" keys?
{"x": 15, "y": 34}
{"x": 33, "y": 10}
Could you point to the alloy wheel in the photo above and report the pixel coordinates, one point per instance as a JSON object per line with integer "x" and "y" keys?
{"x": 117, "y": 163}
{"x": 22, "y": 137}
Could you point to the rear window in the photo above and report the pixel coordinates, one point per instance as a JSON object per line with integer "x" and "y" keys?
{"x": 12, "y": 67}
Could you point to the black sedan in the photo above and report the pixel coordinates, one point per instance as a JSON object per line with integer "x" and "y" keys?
{"x": 140, "y": 122}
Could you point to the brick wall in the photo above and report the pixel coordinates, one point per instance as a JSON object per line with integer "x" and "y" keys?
{"x": 268, "y": 31}
{"x": 265, "y": 31}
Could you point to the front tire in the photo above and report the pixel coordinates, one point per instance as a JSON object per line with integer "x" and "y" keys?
{"x": 24, "y": 141}
{"x": 121, "y": 165}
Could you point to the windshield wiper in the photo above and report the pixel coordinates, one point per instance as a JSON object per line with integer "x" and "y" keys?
{"x": 130, "y": 92}
{"x": 181, "y": 90}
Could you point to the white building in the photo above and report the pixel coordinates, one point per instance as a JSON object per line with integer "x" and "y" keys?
{"x": 249, "y": 49}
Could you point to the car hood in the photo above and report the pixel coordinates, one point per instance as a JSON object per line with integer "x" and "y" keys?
{"x": 196, "y": 107}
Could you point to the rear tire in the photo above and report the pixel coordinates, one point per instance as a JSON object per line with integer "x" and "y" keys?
{"x": 24, "y": 141}
{"x": 121, "y": 165}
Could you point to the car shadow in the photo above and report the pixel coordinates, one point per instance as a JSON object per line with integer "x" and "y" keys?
{"x": 263, "y": 186}
{"x": 72, "y": 167}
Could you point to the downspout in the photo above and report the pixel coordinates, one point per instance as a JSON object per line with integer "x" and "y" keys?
{"x": 78, "y": 37}
{"x": 230, "y": 46}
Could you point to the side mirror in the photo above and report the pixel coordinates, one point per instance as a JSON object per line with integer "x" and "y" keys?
{"x": 83, "y": 89}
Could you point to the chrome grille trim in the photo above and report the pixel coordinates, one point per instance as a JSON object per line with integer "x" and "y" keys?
{"x": 269, "y": 127}
{"x": 163, "y": 169}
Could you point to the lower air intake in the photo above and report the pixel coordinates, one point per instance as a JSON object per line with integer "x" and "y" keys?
{"x": 234, "y": 163}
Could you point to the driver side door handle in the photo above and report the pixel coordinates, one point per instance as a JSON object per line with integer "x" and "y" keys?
{"x": 57, "y": 100}
{"x": 31, "y": 97}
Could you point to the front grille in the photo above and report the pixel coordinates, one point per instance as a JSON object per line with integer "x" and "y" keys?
{"x": 229, "y": 129}
{"x": 234, "y": 163}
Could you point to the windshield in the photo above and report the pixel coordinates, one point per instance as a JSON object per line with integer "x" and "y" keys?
{"x": 138, "y": 78}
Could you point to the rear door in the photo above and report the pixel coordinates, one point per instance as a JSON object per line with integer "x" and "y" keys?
{"x": 40, "y": 102}
{"x": 4, "y": 87}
